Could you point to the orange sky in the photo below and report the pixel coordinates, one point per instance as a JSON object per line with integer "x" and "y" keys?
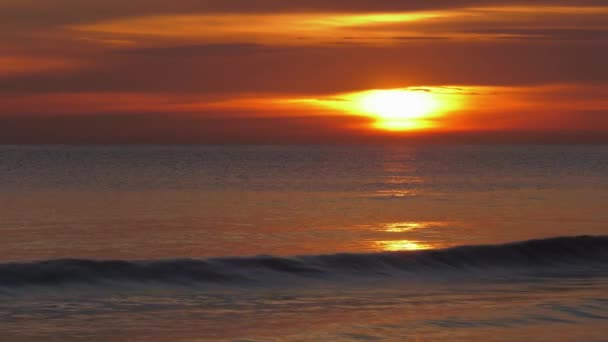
{"x": 273, "y": 71}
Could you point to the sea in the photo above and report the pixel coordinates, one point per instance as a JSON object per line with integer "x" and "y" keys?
{"x": 304, "y": 243}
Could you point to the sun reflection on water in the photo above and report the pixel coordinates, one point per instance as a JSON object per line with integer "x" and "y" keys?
{"x": 402, "y": 245}
{"x": 418, "y": 232}
{"x": 396, "y": 193}
{"x": 399, "y": 227}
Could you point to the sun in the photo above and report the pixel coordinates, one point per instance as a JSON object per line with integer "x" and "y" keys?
{"x": 398, "y": 109}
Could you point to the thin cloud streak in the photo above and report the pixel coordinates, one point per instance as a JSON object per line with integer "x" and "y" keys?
{"x": 355, "y": 28}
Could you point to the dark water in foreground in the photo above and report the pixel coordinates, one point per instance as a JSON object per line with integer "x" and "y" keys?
{"x": 199, "y": 243}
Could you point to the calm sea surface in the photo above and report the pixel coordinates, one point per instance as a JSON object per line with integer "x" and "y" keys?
{"x": 304, "y": 243}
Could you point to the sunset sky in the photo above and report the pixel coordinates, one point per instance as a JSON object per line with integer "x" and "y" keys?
{"x": 302, "y": 71}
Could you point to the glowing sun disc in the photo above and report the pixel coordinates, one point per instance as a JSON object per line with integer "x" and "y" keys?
{"x": 398, "y": 109}
{"x": 398, "y": 104}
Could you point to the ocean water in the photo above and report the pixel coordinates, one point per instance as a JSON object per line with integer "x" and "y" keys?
{"x": 304, "y": 243}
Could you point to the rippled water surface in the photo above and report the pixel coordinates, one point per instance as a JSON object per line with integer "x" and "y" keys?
{"x": 186, "y": 228}
{"x": 167, "y": 202}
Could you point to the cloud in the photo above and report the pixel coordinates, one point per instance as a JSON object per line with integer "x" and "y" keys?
{"x": 157, "y": 56}
{"x": 355, "y": 28}
{"x": 20, "y": 15}
{"x": 570, "y": 34}
{"x": 244, "y": 49}
{"x": 249, "y": 69}
{"x": 163, "y": 128}
{"x": 134, "y": 48}
{"x": 62, "y": 12}
{"x": 25, "y": 65}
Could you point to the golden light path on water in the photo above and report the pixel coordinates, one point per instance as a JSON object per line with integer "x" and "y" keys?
{"x": 395, "y": 228}
{"x": 400, "y": 227}
{"x": 402, "y": 245}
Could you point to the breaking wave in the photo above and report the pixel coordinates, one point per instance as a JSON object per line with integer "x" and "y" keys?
{"x": 555, "y": 257}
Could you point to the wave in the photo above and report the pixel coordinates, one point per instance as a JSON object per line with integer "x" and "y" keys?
{"x": 561, "y": 257}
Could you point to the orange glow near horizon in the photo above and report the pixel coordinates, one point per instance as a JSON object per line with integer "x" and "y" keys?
{"x": 400, "y": 109}
{"x": 389, "y": 111}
